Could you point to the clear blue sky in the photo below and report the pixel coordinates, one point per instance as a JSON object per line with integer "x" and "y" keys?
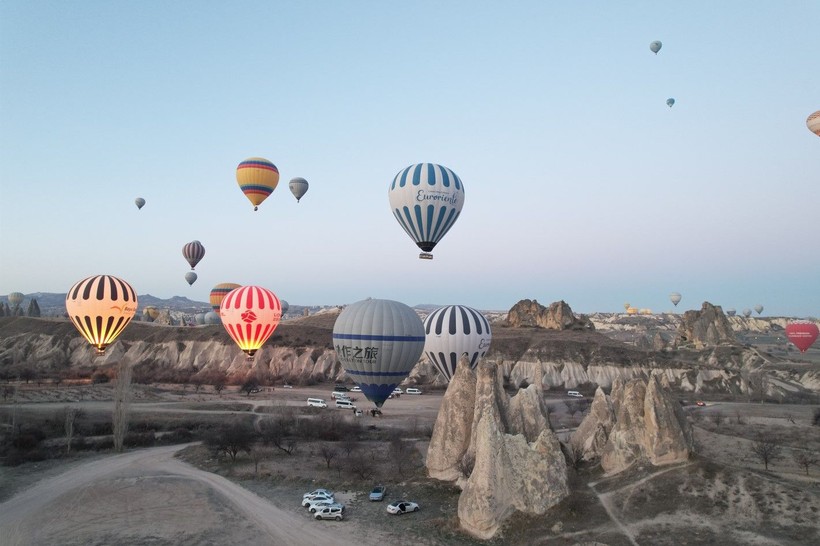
{"x": 581, "y": 184}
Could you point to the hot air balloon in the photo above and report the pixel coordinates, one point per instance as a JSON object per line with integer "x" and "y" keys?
{"x": 747, "y": 313}
{"x": 452, "y": 331}
{"x": 426, "y": 199}
{"x": 140, "y": 202}
{"x": 674, "y": 297}
{"x": 151, "y": 312}
{"x": 250, "y": 314}
{"x": 802, "y": 333}
{"x": 813, "y": 123}
{"x": 219, "y": 292}
{"x": 15, "y": 299}
{"x": 378, "y": 342}
{"x": 298, "y": 187}
{"x": 190, "y": 276}
{"x": 100, "y": 308}
{"x": 655, "y": 46}
{"x": 758, "y": 308}
{"x": 199, "y": 318}
{"x": 285, "y": 306}
{"x": 627, "y": 305}
{"x": 212, "y": 317}
{"x": 670, "y": 102}
{"x": 257, "y": 178}
{"x": 193, "y": 253}
{"x": 731, "y": 312}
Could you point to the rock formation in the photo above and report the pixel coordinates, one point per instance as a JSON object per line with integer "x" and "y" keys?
{"x": 704, "y": 328}
{"x": 558, "y": 316}
{"x": 640, "y": 421}
{"x": 513, "y": 459}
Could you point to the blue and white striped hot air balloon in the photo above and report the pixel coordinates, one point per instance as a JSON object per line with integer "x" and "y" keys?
{"x": 426, "y": 199}
{"x": 378, "y": 342}
{"x": 452, "y": 331}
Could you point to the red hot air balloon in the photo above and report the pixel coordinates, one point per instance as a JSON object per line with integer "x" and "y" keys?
{"x": 193, "y": 252}
{"x": 250, "y": 314}
{"x": 802, "y": 333}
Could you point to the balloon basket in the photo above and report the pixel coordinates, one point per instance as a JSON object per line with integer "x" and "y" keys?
{"x": 425, "y": 256}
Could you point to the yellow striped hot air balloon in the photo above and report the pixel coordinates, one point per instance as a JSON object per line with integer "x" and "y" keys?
{"x": 257, "y": 178}
{"x": 219, "y": 292}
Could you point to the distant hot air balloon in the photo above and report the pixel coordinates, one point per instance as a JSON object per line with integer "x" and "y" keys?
{"x": 747, "y": 313}
{"x": 285, "y": 306}
{"x": 452, "y": 331}
{"x": 674, "y": 297}
{"x": 100, "y": 308}
{"x": 813, "y": 123}
{"x": 378, "y": 342}
{"x": 731, "y": 312}
{"x": 190, "y": 276}
{"x": 219, "y": 292}
{"x": 758, "y": 308}
{"x": 140, "y": 202}
{"x": 199, "y": 318}
{"x": 250, "y": 314}
{"x": 193, "y": 253}
{"x": 212, "y": 317}
{"x": 802, "y": 333}
{"x": 426, "y": 199}
{"x": 627, "y": 305}
{"x": 298, "y": 187}
{"x": 15, "y": 299}
{"x": 655, "y": 46}
{"x": 257, "y": 178}
{"x": 670, "y": 102}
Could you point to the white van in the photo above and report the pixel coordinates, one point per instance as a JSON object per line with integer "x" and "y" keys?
{"x": 413, "y": 390}
{"x": 344, "y": 404}
{"x": 316, "y": 403}
{"x": 335, "y": 395}
{"x": 575, "y": 394}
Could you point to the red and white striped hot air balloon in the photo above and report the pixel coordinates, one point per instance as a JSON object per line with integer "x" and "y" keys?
{"x": 250, "y": 314}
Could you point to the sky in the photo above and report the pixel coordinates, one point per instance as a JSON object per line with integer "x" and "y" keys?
{"x": 581, "y": 184}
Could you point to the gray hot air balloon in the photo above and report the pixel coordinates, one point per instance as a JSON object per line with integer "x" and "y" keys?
{"x": 212, "y": 318}
{"x": 298, "y": 187}
{"x": 758, "y": 308}
{"x": 655, "y": 46}
{"x": 284, "y": 305}
{"x": 15, "y": 299}
{"x": 731, "y": 312}
{"x": 199, "y": 318}
{"x": 674, "y": 297}
{"x": 747, "y": 313}
{"x": 190, "y": 276}
{"x": 378, "y": 342}
{"x": 453, "y": 331}
{"x": 670, "y": 102}
{"x": 140, "y": 202}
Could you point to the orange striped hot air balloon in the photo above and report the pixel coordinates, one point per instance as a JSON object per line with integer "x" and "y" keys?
{"x": 100, "y": 308}
{"x": 257, "y": 178}
{"x": 219, "y": 292}
{"x": 250, "y": 314}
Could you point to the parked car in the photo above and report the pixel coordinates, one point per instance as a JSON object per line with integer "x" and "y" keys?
{"x": 319, "y": 504}
{"x": 320, "y": 491}
{"x": 378, "y": 493}
{"x": 356, "y": 389}
{"x": 329, "y": 512}
{"x": 700, "y": 403}
{"x": 398, "y": 390}
{"x": 402, "y": 507}
{"x": 339, "y": 394}
{"x": 575, "y": 394}
{"x": 316, "y": 403}
{"x": 340, "y": 388}
{"x": 306, "y": 502}
{"x": 413, "y": 390}
{"x": 286, "y": 386}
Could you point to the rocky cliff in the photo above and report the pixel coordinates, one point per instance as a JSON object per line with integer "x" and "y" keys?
{"x": 558, "y": 316}
{"x": 708, "y": 327}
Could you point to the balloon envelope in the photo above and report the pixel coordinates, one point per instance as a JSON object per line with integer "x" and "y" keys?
{"x": 655, "y": 46}
{"x": 731, "y": 312}
{"x": 219, "y": 292}
{"x": 190, "y": 276}
{"x": 257, "y": 178}
{"x": 802, "y": 333}
{"x": 199, "y": 318}
{"x": 426, "y": 200}
{"x": 452, "y": 331}
{"x": 378, "y": 342}
{"x": 250, "y": 314}
{"x": 15, "y": 298}
{"x": 758, "y": 308}
{"x": 813, "y": 123}
{"x": 670, "y": 102}
{"x": 100, "y": 308}
{"x": 674, "y": 297}
{"x": 212, "y": 317}
{"x": 627, "y": 305}
{"x": 285, "y": 306}
{"x": 140, "y": 202}
{"x": 298, "y": 187}
{"x": 747, "y": 313}
{"x": 193, "y": 253}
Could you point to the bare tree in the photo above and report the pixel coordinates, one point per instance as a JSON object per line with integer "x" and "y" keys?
{"x": 398, "y": 453}
{"x": 27, "y": 374}
{"x": 231, "y": 438}
{"x": 328, "y": 453}
{"x": 250, "y": 385}
{"x": 258, "y": 454}
{"x": 805, "y": 458}
{"x": 8, "y": 390}
{"x": 739, "y": 419}
{"x": 360, "y": 465}
{"x": 122, "y": 400}
{"x": 767, "y": 449}
{"x": 718, "y": 417}
{"x": 349, "y": 445}
{"x": 277, "y": 432}
{"x": 70, "y": 416}
{"x": 219, "y": 386}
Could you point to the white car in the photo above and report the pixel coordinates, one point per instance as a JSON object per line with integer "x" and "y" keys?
{"x": 413, "y": 390}
{"x": 402, "y": 507}
{"x": 316, "y": 403}
{"x": 313, "y": 506}
{"x": 330, "y": 512}
{"x": 356, "y": 389}
{"x": 315, "y": 492}
{"x": 398, "y": 390}
{"x": 310, "y": 500}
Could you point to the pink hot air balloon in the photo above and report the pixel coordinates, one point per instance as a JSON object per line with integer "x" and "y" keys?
{"x": 250, "y": 314}
{"x": 802, "y": 333}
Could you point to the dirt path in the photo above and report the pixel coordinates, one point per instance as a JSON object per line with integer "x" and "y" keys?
{"x": 149, "y": 496}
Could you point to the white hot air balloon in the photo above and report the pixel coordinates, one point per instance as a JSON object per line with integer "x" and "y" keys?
{"x": 452, "y": 331}
{"x": 747, "y": 313}
{"x": 655, "y": 46}
{"x": 674, "y": 297}
{"x": 758, "y": 308}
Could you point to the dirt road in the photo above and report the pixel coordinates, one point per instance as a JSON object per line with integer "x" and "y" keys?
{"x": 148, "y": 496}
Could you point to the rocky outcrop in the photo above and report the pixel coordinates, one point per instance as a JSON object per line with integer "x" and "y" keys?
{"x": 558, "y": 316}
{"x": 593, "y": 433}
{"x": 704, "y": 328}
